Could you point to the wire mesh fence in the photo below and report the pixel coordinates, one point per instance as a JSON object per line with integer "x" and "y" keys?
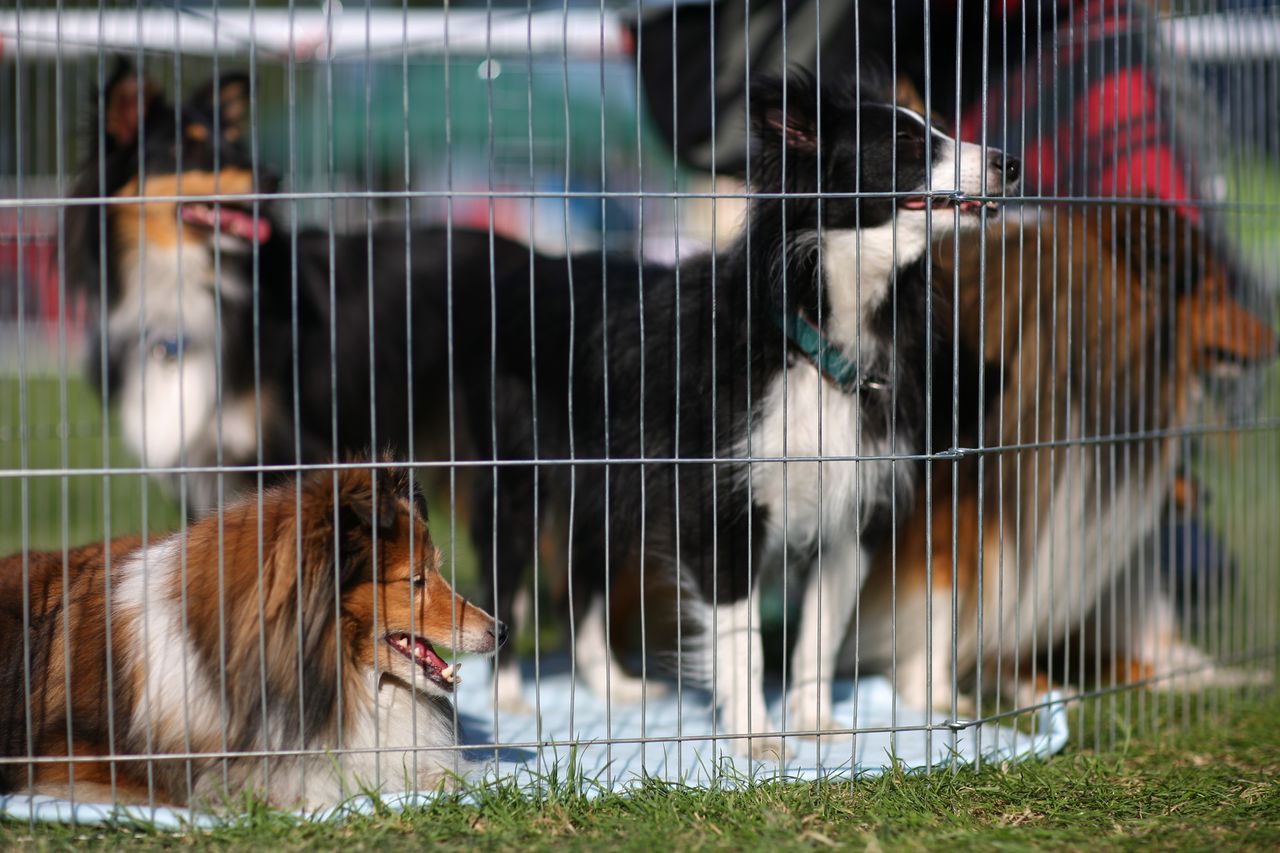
{"x": 753, "y": 388}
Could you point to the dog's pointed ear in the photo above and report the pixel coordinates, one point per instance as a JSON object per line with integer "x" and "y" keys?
{"x": 126, "y": 98}
{"x": 360, "y": 518}
{"x": 362, "y": 507}
{"x": 228, "y": 99}
{"x": 786, "y": 110}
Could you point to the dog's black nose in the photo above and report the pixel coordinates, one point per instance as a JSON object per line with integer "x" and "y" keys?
{"x": 1009, "y": 166}
{"x": 499, "y": 633}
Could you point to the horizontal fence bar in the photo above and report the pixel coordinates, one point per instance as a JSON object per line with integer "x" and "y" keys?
{"x": 310, "y": 35}
{"x": 313, "y": 35}
{"x": 1163, "y": 202}
{"x": 949, "y": 455}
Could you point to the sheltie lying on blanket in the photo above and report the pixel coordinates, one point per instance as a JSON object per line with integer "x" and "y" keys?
{"x": 305, "y": 622}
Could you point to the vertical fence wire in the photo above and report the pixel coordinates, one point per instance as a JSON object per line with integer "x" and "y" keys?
{"x": 1081, "y": 549}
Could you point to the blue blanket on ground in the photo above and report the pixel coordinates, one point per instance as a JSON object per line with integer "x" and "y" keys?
{"x": 609, "y": 749}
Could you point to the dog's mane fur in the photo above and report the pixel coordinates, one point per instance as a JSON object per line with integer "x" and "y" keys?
{"x": 315, "y": 542}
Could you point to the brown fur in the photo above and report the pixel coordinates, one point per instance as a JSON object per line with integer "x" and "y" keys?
{"x": 157, "y": 222}
{"x": 1104, "y": 321}
{"x": 317, "y": 558}
{"x": 83, "y": 580}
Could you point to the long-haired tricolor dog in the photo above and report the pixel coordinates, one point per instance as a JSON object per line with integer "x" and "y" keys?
{"x": 1095, "y": 331}
{"x": 305, "y": 620}
{"x": 224, "y": 338}
{"x": 804, "y": 338}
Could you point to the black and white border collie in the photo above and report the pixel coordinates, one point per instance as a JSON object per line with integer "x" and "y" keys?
{"x": 721, "y": 382}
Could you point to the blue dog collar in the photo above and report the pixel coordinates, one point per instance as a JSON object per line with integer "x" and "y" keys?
{"x": 167, "y": 346}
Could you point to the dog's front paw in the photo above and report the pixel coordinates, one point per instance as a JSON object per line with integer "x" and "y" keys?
{"x": 626, "y": 689}
{"x": 510, "y": 689}
{"x": 804, "y": 714}
{"x": 514, "y": 703}
{"x": 763, "y": 748}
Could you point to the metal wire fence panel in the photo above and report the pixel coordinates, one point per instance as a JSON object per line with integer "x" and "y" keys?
{"x": 734, "y": 389}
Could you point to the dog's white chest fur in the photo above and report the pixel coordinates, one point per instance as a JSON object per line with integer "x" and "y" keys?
{"x": 169, "y": 406}
{"x": 804, "y": 416}
{"x": 396, "y": 739}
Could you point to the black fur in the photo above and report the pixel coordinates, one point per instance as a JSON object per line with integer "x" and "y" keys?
{"x": 671, "y": 364}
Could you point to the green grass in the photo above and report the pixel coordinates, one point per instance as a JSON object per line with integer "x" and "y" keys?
{"x": 1211, "y": 785}
{"x": 68, "y": 436}
{"x": 1255, "y": 225}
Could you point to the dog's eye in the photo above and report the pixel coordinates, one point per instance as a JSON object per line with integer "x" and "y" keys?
{"x": 905, "y": 136}
{"x": 419, "y": 580}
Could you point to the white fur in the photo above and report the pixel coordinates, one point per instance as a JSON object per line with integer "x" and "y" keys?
{"x": 972, "y": 174}
{"x": 924, "y": 676}
{"x": 179, "y": 704}
{"x": 972, "y": 178}
{"x": 169, "y": 405}
{"x": 392, "y": 742}
{"x": 1147, "y": 633}
{"x": 739, "y": 678}
{"x": 165, "y": 285}
{"x": 165, "y": 408}
{"x": 831, "y": 593}
{"x": 1081, "y": 550}
{"x": 597, "y": 667}
{"x": 804, "y": 417}
{"x": 817, "y": 504}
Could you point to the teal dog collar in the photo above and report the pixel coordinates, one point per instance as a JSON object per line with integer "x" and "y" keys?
{"x": 831, "y": 362}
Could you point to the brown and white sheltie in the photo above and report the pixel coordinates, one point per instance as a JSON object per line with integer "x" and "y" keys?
{"x": 1092, "y": 334}
{"x": 304, "y": 622}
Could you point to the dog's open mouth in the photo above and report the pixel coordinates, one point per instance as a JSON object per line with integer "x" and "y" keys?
{"x": 434, "y": 667}
{"x": 923, "y": 202}
{"x": 230, "y": 218}
{"x": 1227, "y": 364}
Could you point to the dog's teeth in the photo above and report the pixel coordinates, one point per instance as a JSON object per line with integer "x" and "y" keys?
{"x": 449, "y": 673}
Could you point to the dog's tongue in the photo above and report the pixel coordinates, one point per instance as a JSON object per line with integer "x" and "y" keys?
{"x": 425, "y": 654}
{"x": 229, "y": 220}
{"x": 241, "y": 224}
